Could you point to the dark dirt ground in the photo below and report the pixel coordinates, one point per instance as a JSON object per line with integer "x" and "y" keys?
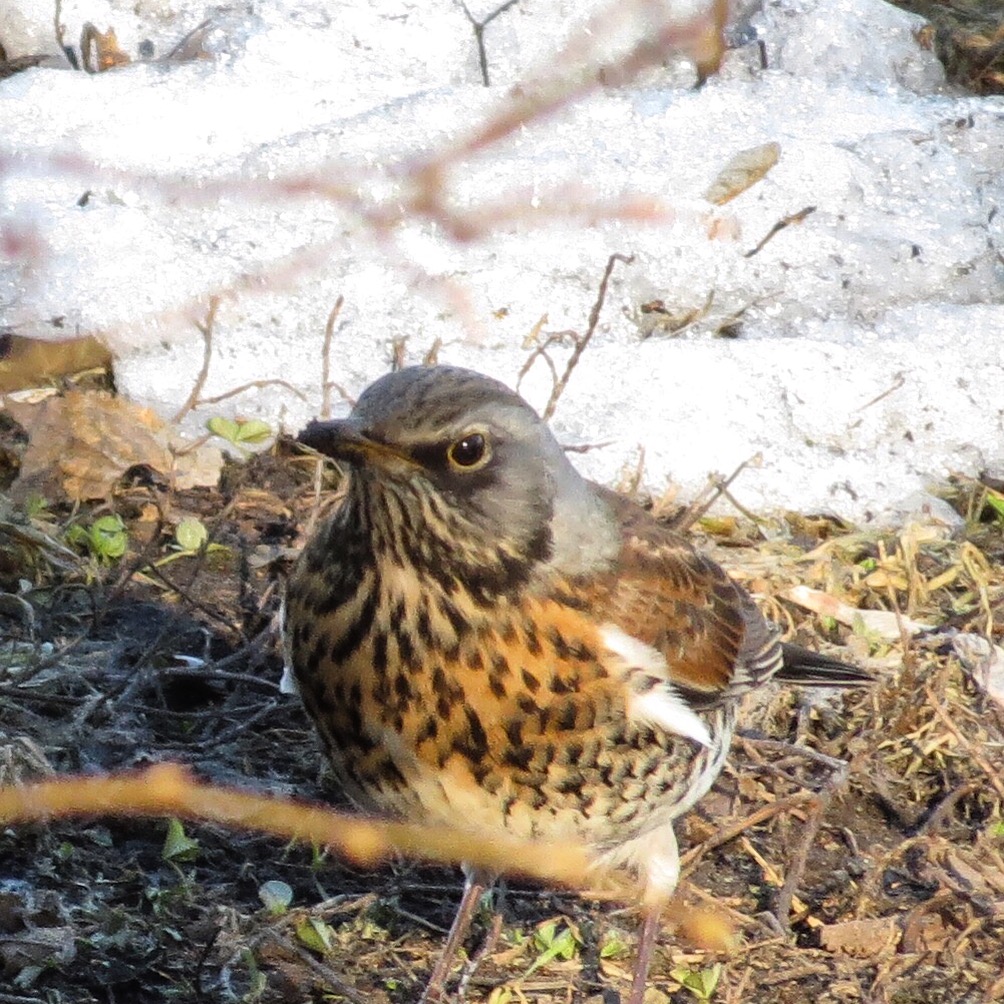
{"x": 909, "y": 843}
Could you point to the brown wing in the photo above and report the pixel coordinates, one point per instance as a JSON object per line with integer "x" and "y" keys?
{"x": 715, "y": 641}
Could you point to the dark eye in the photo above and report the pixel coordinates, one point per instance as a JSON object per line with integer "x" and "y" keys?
{"x": 469, "y": 451}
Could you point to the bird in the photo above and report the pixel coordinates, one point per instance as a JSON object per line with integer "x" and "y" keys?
{"x": 488, "y": 641}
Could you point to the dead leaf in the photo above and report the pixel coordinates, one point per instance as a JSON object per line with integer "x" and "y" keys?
{"x": 743, "y": 171}
{"x": 859, "y": 937}
{"x": 82, "y": 442}
{"x": 100, "y": 51}
{"x": 29, "y": 362}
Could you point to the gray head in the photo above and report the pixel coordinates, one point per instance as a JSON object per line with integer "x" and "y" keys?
{"x": 465, "y": 455}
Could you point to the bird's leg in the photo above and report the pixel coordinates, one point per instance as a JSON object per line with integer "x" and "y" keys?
{"x": 474, "y": 887}
{"x": 659, "y": 857}
{"x": 487, "y": 947}
{"x": 646, "y": 942}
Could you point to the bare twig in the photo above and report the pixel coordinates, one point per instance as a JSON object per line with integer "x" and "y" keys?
{"x": 329, "y": 331}
{"x": 579, "y": 342}
{"x": 325, "y": 973}
{"x": 717, "y": 488}
{"x": 479, "y": 34}
{"x": 206, "y": 328}
{"x": 167, "y": 789}
{"x": 252, "y": 384}
{"x": 898, "y": 381}
{"x": 797, "y": 801}
{"x": 781, "y": 224}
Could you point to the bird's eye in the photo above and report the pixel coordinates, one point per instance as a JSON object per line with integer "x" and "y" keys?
{"x": 469, "y": 451}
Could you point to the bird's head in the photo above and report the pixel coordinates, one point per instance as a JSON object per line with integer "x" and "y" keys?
{"x": 449, "y": 453}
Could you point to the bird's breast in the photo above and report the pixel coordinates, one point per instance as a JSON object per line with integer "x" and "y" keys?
{"x": 507, "y": 718}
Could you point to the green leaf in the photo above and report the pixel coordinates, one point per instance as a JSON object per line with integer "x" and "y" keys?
{"x": 225, "y": 428}
{"x": 544, "y": 935}
{"x": 178, "y": 846}
{"x": 554, "y": 944}
{"x": 109, "y": 537}
{"x": 253, "y": 431}
{"x": 315, "y": 935}
{"x": 709, "y": 979}
{"x": 239, "y": 433}
{"x": 77, "y": 536}
{"x": 700, "y": 982}
{"x": 191, "y": 534}
{"x": 612, "y": 947}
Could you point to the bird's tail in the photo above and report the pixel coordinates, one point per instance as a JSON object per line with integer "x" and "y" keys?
{"x": 810, "y": 669}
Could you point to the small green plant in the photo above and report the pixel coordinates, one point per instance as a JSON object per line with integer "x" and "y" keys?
{"x": 552, "y": 941}
{"x": 995, "y": 501}
{"x": 190, "y": 537}
{"x": 700, "y": 982}
{"x": 238, "y": 433}
{"x": 257, "y": 980}
{"x": 316, "y": 935}
{"x": 105, "y": 539}
{"x": 36, "y": 505}
{"x": 178, "y": 846}
{"x": 612, "y": 946}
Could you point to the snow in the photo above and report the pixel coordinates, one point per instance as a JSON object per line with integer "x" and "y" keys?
{"x": 868, "y": 365}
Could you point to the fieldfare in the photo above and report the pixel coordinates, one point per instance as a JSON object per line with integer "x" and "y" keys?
{"x": 486, "y": 640}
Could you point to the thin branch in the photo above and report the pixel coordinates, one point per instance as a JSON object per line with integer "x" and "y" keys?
{"x": 479, "y": 33}
{"x": 797, "y": 801}
{"x": 579, "y": 342}
{"x": 252, "y": 384}
{"x": 781, "y": 224}
{"x": 717, "y": 488}
{"x": 206, "y": 328}
{"x": 329, "y": 331}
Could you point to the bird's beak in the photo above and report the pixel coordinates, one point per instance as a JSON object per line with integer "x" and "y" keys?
{"x": 344, "y": 439}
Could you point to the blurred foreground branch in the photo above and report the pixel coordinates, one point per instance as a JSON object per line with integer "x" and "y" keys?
{"x": 171, "y": 790}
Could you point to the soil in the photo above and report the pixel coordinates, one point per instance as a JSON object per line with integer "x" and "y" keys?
{"x": 871, "y": 867}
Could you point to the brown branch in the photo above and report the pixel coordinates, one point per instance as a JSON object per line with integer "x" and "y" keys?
{"x": 579, "y": 342}
{"x": 583, "y": 342}
{"x": 170, "y": 790}
{"x": 689, "y": 860}
{"x": 251, "y": 384}
{"x": 206, "y": 328}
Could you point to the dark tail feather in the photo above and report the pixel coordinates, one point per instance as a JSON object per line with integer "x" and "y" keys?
{"x": 810, "y": 669}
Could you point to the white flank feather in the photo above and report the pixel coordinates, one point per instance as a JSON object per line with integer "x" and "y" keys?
{"x": 661, "y": 705}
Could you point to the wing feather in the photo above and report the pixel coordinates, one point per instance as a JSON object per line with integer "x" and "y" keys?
{"x": 715, "y": 642}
